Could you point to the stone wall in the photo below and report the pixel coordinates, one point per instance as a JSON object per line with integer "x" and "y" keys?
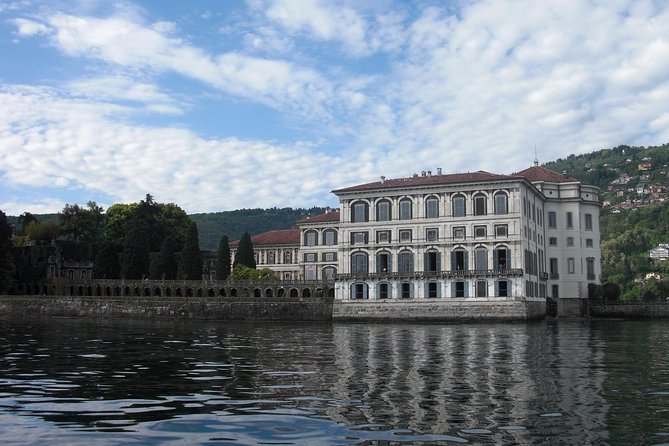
{"x": 571, "y": 307}
{"x": 212, "y": 308}
{"x": 630, "y": 310}
{"x": 440, "y": 309}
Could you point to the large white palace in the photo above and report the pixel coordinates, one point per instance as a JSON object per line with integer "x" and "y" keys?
{"x": 531, "y": 234}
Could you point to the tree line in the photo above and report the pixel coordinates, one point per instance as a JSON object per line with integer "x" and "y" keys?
{"x": 132, "y": 241}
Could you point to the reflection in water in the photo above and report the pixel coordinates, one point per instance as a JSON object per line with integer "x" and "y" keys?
{"x": 574, "y": 382}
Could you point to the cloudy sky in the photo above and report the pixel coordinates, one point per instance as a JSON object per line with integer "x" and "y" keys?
{"x": 218, "y": 105}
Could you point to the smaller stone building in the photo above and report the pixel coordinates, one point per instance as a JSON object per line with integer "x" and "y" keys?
{"x": 276, "y": 250}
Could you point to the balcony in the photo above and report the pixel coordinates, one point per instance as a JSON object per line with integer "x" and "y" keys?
{"x": 433, "y": 274}
{"x": 591, "y": 277}
{"x": 554, "y": 276}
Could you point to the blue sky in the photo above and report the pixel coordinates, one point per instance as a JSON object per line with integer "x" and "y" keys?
{"x": 219, "y": 105}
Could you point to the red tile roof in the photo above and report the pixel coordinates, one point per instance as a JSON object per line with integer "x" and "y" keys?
{"x": 429, "y": 180}
{"x": 538, "y": 173}
{"x": 278, "y": 237}
{"x": 328, "y": 216}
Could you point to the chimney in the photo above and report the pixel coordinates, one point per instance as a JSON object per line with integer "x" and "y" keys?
{"x": 383, "y": 179}
{"x": 438, "y": 170}
{"x": 422, "y": 174}
{"x": 415, "y": 175}
{"x": 429, "y": 173}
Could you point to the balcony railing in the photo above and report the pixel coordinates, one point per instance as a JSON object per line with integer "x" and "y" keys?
{"x": 554, "y": 276}
{"x": 591, "y": 277}
{"x": 433, "y": 274}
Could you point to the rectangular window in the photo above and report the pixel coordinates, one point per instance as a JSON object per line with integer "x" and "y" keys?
{"x": 383, "y": 291}
{"x": 500, "y": 204}
{"x": 311, "y": 239}
{"x": 358, "y": 238}
{"x": 310, "y": 257}
{"x": 432, "y": 289}
{"x": 570, "y": 241}
{"x": 590, "y": 268}
{"x": 479, "y": 231}
{"x": 459, "y": 289}
{"x": 553, "y": 268}
{"x": 359, "y": 290}
{"x": 570, "y": 265}
{"x": 570, "y": 220}
{"x": 359, "y": 212}
{"x": 459, "y": 206}
{"x": 588, "y": 243}
{"x": 432, "y": 235}
{"x": 330, "y": 238}
{"x": 554, "y": 291}
{"x": 501, "y": 231}
{"x": 552, "y": 220}
{"x": 383, "y": 236}
{"x": 383, "y": 263}
{"x": 405, "y": 235}
{"x": 406, "y": 290}
{"x": 459, "y": 233}
{"x": 552, "y": 241}
{"x": 481, "y": 288}
{"x": 503, "y": 288}
{"x": 329, "y": 256}
{"x": 588, "y": 222}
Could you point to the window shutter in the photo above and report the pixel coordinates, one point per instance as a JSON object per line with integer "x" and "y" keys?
{"x": 438, "y": 261}
{"x": 453, "y": 262}
{"x": 465, "y": 261}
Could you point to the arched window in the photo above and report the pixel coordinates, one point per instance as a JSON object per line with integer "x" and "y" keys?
{"x": 433, "y": 261}
{"x": 359, "y": 212}
{"x": 502, "y": 288}
{"x": 481, "y": 288}
{"x": 502, "y": 258}
{"x": 431, "y": 207}
{"x": 405, "y": 209}
{"x": 459, "y": 206}
{"x": 329, "y": 272}
{"x": 271, "y": 257}
{"x": 384, "y": 262}
{"x": 310, "y": 273}
{"x": 383, "y": 210}
{"x": 329, "y": 237}
{"x": 359, "y": 263}
{"x": 287, "y": 256}
{"x": 459, "y": 260}
{"x": 481, "y": 259}
{"x": 383, "y": 290}
{"x": 480, "y": 204}
{"x": 310, "y": 238}
{"x": 405, "y": 261}
{"x": 501, "y": 203}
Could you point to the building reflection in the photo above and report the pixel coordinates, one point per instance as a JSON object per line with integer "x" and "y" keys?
{"x": 508, "y": 379}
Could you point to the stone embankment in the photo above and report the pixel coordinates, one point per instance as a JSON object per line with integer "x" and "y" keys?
{"x": 206, "y": 308}
{"x": 630, "y": 310}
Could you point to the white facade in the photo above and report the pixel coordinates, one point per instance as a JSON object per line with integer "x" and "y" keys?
{"x": 319, "y": 247}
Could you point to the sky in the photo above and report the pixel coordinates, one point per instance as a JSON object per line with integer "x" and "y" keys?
{"x": 222, "y": 104}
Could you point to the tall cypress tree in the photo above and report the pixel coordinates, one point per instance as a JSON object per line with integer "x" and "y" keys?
{"x": 244, "y": 254}
{"x": 135, "y": 255}
{"x": 166, "y": 264}
{"x": 223, "y": 260}
{"x": 190, "y": 266}
{"x": 106, "y": 264}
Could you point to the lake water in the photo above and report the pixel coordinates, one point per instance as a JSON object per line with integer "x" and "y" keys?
{"x": 66, "y": 381}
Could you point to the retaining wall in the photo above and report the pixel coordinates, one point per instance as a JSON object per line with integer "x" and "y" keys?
{"x": 440, "y": 309}
{"x": 630, "y": 310}
{"x": 215, "y": 308}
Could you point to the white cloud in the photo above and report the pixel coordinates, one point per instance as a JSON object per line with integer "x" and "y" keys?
{"x": 41, "y": 206}
{"x": 30, "y": 27}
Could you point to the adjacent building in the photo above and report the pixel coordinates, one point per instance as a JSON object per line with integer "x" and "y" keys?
{"x": 276, "y": 250}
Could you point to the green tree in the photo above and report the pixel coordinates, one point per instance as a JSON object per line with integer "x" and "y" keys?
{"x": 244, "y": 255}
{"x": 243, "y": 272}
{"x": 6, "y": 258}
{"x": 165, "y": 265}
{"x": 26, "y": 219}
{"x": 190, "y": 265}
{"x": 135, "y": 263}
{"x": 82, "y": 224}
{"x": 43, "y": 232}
{"x": 106, "y": 265}
{"x": 223, "y": 259}
{"x": 116, "y": 217}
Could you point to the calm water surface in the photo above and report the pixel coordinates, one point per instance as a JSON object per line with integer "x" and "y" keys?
{"x": 65, "y": 381}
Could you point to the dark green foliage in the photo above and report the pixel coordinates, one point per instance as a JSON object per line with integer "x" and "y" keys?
{"x": 242, "y": 272}
{"x": 46, "y": 231}
{"x": 106, "y": 265}
{"x": 165, "y": 265}
{"x": 6, "y": 258}
{"x": 135, "y": 259}
{"x": 223, "y": 259}
{"x": 253, "y": 221}
{"x": 82, "y": 223}
{"x": 190, "y": 266}
{"x": 244, "y": 255}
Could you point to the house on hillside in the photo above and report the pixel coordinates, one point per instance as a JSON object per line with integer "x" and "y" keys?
{"x": 644, "y": 166}
{"x": 660, "y": 252}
